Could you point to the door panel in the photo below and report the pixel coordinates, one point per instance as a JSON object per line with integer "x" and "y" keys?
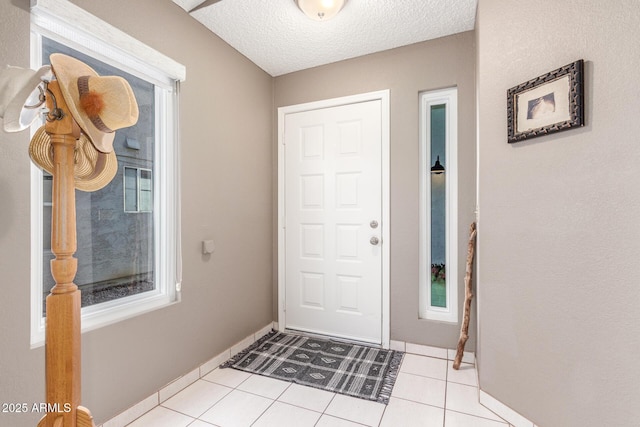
{"x": 332, "y": 194}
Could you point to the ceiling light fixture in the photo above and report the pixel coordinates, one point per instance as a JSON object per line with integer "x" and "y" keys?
{"x": 320, "y": 10}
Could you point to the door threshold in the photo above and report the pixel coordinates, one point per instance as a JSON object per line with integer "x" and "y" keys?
{"x": 321, "y": 335}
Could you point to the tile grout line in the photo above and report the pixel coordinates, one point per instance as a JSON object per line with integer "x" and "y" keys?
{"x": 173, "y": 410}
{"x": 269, "y": 398}
{"x": 385, "y": 408}
{"x": 206, "y": 365}
{"x": 177, "y": 412}
{"x": 255, "y": 394}
{"x": 446, "y": 387}
{"x": 272, "y": 403}
{"x": 334, "y": 396}
{"x": 481, "y": 417}
{"x": 325, "y": 409}
{"x": 263, "y": 412}
{"x": 200, "y": 376}
{"x": 206, "y": 410}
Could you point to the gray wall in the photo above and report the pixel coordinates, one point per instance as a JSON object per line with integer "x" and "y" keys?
{"x": 21, "y": 369}
{"x": 559, "y": 283}
{"x": 226, "y": 196}
{"x": 441, "y": 63}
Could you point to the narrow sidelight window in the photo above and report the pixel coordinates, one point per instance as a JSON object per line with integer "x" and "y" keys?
{"x": 438, "y": 205}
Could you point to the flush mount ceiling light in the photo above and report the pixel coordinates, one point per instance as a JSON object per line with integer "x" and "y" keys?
{"x": 320, "y": 10}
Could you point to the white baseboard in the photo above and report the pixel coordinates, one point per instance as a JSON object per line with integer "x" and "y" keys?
{"x": 166, "y": 392}
{"x": 485, "y": 399}
{"x": 504, "y": 411}
{"x": 437, "y": 352}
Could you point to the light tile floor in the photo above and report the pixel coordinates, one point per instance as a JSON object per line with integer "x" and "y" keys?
{"x": 428, "y": 392}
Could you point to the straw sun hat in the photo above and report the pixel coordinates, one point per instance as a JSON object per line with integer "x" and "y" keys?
{"x": 92, "y": 170}
{"x": 99, "y": 104}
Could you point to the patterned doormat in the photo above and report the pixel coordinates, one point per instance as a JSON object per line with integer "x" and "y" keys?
{"x": 336, "y": 366}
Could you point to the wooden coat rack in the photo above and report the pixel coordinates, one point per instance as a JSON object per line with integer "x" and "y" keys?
{"x": 63, "y": 329}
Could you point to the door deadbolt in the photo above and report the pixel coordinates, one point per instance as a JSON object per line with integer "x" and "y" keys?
{"x": 373, "y": 224}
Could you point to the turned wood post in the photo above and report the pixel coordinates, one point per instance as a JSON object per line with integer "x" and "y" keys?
{"x": 63, "y": 330}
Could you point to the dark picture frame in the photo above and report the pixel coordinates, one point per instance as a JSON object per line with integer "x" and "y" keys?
{"x": 547, "y": 104}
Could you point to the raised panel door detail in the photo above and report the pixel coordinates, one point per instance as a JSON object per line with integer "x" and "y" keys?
{"x": 312, "y": 290}
{"x": 349, "y": 138}
{"x": 312, "y": 241}
{"x": 348, "y": 294}
{"x": 312, "y": 191}
{"x": 347, "y": 238}
{"x": 312, "y": 143}
{"x": 348, "y": 190}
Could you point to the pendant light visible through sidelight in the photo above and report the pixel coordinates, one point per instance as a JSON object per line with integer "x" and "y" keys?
{"x": 320, "y": 10}
{"x": 437, "y": 168}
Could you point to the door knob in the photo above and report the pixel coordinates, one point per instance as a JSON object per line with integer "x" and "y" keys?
{"x": 374, "y": 240}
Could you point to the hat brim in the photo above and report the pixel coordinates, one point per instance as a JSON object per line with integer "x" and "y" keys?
{"x": 67, "y": 70}
{"x": 93, "y": 170}
{"x": 13, "y": 110}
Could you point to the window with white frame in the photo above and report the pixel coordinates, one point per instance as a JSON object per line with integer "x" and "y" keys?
{"x": 438, "y": 206}
{"x": 127, "y": 264}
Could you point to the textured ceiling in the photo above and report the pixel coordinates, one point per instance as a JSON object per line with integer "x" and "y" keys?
{"x": 280, "y": 39}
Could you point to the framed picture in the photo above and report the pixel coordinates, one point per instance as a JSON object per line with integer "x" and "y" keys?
{"x": 550, "y": 103}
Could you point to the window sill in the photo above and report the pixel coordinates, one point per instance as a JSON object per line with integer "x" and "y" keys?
{"x": 109, "y": 313}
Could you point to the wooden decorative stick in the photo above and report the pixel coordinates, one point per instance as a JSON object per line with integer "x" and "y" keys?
{"x": 63, "y": 332}
{"x": 468, "y": 296}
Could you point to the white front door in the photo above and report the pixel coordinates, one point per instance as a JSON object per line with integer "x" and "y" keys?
{"x": 333, "y": 221}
